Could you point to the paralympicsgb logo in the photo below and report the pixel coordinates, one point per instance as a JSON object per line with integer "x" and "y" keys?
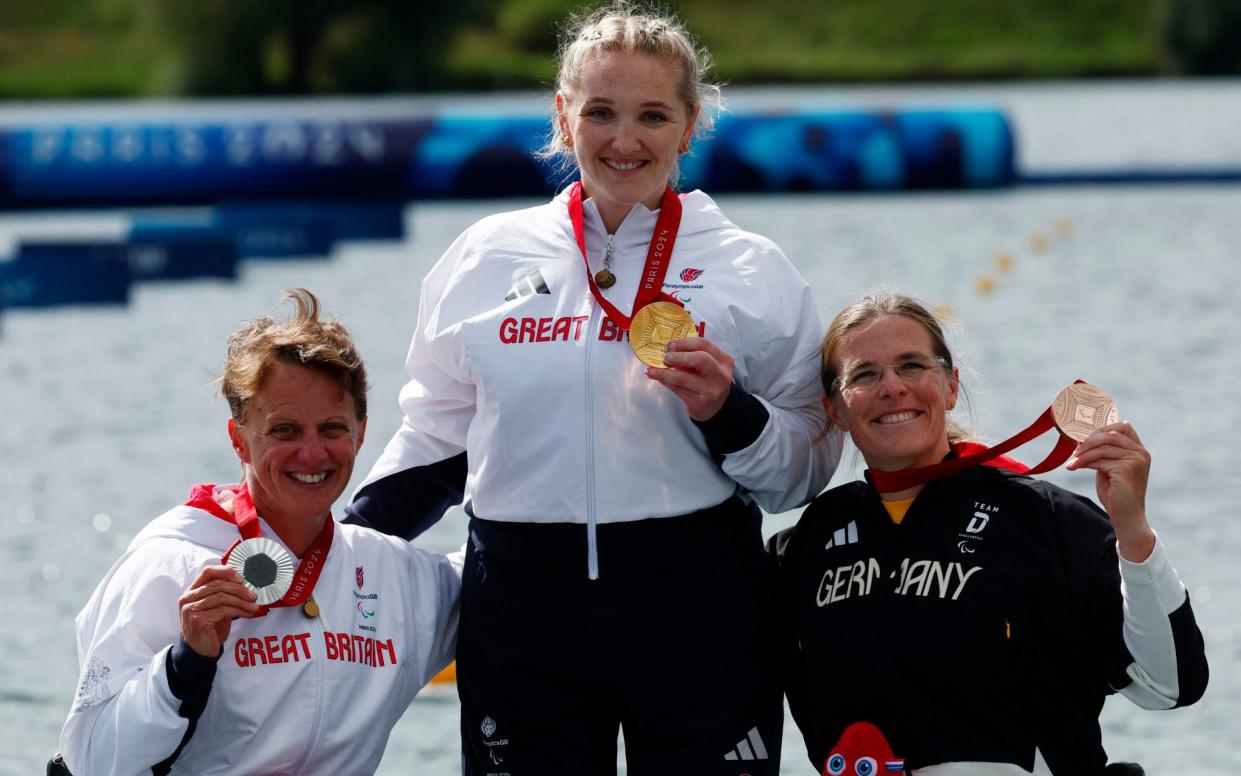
{"x": 690, "y": 274}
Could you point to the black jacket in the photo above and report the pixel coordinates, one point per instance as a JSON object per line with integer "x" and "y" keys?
{"x": 987, "y": 624}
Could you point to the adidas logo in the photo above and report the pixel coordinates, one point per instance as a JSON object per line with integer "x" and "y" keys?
{"x": 846, "y": 535}
{"x": 527, "y": 284}
{"x": 749, "y": 748}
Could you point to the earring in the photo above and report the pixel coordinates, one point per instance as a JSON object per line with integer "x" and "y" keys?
{"x": 683, "y": 148}
{"x": 568, "y": 141}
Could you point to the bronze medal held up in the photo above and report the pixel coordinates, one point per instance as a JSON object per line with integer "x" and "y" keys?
{"x": 654, "y": 326}
{"x": 1081, "y": 409}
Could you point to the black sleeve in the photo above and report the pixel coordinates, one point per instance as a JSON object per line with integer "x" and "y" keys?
{"x": 409, "y": 502}
{"x": 190, "y": 676}
{"x": 736, "y": 426}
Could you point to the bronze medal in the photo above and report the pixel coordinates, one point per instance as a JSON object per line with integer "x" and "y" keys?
{"x": 1081, "y": 409}
{"x": 310, "y": 609}
{"x": 604, "y": 278}
{"x": 654, "y": 326}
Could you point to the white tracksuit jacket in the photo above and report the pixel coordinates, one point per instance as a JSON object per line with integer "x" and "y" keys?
{"x": 514, "y": 363}
{"x": 291, "y": 694}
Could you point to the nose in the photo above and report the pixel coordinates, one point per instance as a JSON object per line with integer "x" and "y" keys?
{"x": 313, "y": 448}
{"x": 626, "y": 138}
{"x": 890, "y": 383}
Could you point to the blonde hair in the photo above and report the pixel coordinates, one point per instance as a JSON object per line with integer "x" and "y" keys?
{"x": 629, "y": 27}
{"x": 871, "y": 308}
{"x": 303, "y": 339}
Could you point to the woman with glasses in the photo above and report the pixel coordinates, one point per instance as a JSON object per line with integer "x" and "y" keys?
{"x": 981, "y": 618}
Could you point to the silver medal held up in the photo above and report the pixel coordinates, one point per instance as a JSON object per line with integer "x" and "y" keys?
{"x": 265, "y": 567}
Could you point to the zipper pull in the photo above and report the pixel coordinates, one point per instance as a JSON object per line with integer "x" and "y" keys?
{"x": 604, "y": 277}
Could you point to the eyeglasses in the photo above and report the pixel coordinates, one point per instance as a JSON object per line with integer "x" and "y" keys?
{"x": 867, "y": 377}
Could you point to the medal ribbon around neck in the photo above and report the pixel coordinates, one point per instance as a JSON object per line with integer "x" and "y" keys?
{"x": 246, "y": 518}
{"x": 658, "y": 255}
{"x": 891, "y": 482}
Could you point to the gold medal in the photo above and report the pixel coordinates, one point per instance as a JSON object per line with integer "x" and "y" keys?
{"x": 310, "y": 608}
{"x": 1081, "y": 409}
{"x": 654, "y": 326}
{"x": 604, "y": 278}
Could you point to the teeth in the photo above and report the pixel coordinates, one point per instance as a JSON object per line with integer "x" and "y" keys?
{"x": 310, "y": 479}
{"x": 897, "y": 417}
{"x": 624, "y": 166}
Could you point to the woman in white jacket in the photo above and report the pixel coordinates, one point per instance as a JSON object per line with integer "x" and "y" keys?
{"x": 306, "y": 664}
{"x": 614, "y": 575}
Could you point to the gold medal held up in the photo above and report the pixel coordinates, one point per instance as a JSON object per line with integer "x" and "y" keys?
{"x": 1081, "y": 409}
{"x": 654, "y": 326}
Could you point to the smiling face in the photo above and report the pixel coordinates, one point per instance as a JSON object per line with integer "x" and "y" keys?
{"x": 899, "y": 422}
{"x": 299, "y": 440}
{"x": 625, "y": 124}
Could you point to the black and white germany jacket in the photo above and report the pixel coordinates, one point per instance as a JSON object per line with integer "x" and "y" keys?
{"x": 993, "y": 621}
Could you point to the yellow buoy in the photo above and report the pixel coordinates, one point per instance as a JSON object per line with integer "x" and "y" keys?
{"x": 984, "y": 284}
{"x": 1064, "y": 227}
{"x": 1004, "y": 261}
{"x": 1038, "y": 243}
{"x": 449, "y": 674}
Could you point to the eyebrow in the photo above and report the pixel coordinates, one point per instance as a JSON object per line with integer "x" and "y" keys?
{"x": 606, "y": 101}
{"x": 902, "y": 357}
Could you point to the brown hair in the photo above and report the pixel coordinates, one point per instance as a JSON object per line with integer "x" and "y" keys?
{"x": 303, "y": 340}
{"x": 629, "y": 27}
{"x": 871, "y": 308}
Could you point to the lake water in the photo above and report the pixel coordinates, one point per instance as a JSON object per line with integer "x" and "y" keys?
{"x": 111, "y": 414}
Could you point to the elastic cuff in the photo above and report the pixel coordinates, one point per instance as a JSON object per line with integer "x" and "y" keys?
{"x": 1158, "y": 574}
{"x": 190, "y": 674}
{"x": 736, "y": 426}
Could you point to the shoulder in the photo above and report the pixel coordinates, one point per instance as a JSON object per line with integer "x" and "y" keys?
{"x": 500, "y": 227}
{"x": 830, "y": 510}
{"x": 702, "y": 216}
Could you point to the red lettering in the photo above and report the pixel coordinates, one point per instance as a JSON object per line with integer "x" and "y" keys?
{"x": 369, "y": 651}
{"x": 508, "y": 331}
{"x": 577, "y": 331}
{"x": 561, "y": 330}
{"x": 380, "y": 646}
{"x": 304, "y": 639}
{"x": 359, "y": 647}
{"x": 702, "y": 329}
{"x": 255, "y": 648}
{"x": 608, "y": 331}
{"x": 239, "y": 653}
{"x": 288, "y": 646}
{"x": 329, "y": 645}
{"x": 545, "y": 326}
{"x": 527, "y": 330}
{"x": 345, "y": 645}
{"x": 271, "y": 645}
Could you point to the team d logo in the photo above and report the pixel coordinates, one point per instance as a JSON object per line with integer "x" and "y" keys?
{"x": 690, "y": 274}
{"x": 358, "y": 576}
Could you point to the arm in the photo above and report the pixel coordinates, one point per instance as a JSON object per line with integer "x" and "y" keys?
{"x": 1164, "y": 662}
{"x": 765, "y": 422}
{"x": 142, "y": 686}
{"x": 437, "y": 607}
{"x": 422, "y": 471}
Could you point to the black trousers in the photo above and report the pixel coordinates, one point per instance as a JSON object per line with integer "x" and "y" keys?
{"x": 675, "y": 643}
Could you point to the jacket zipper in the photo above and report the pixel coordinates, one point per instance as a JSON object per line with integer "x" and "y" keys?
{"x": 592, "y": 539}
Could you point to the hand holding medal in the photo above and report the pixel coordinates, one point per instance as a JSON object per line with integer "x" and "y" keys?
{"x": 215, "y": 598}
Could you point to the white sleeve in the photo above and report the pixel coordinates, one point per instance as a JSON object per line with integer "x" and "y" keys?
{"x": 438, "y": 401}
{"x": 437, "y": 609}
{"x": 1158, "y": 623}
{"x": 793, "y": 457}
{"x": 125, "y": 718}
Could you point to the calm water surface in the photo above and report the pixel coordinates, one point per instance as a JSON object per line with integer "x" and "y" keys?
{"x": 110, "y": 413}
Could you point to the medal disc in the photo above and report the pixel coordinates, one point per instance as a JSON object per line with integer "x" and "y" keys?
{"x": 1081, "y": 409}
{"x": 310, "y": 609}
{"x": 265, "y": 567}
{"x": 605, "y": 279}
{"x": 654, "y": 326}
